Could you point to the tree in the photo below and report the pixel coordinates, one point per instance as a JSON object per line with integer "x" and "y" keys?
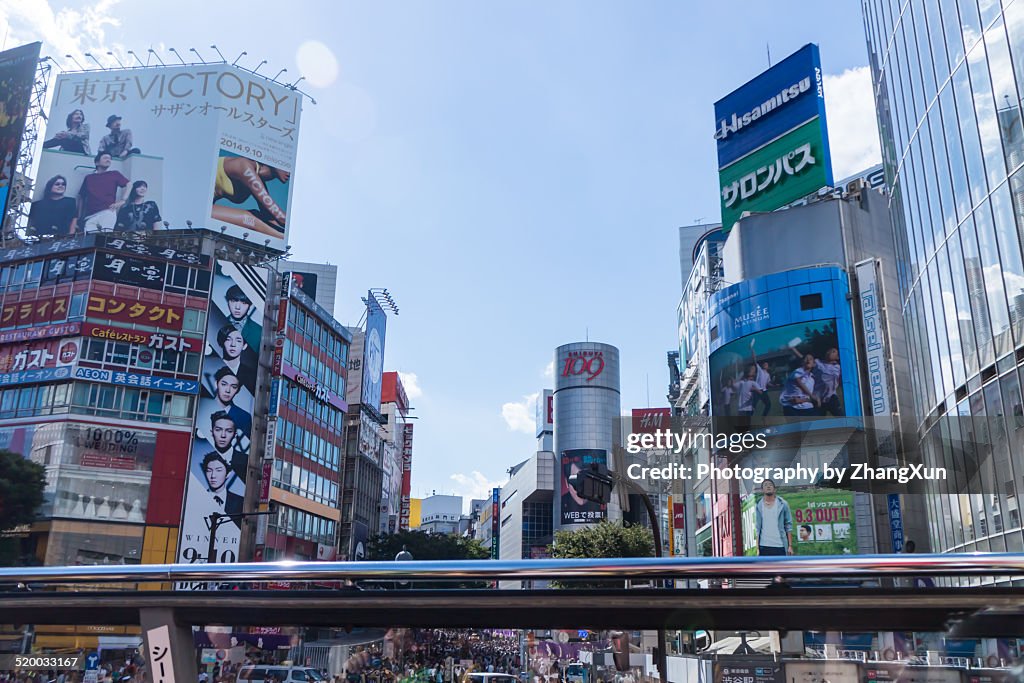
{"x": 607, "y": 539}
{"x": 21, "y": 489}
{"x": 424, "y": 546}
{"x": 21, "y": 494}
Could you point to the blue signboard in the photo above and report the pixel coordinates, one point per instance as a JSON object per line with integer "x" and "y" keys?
{"x": 131, "y": 379}
{"x": 781, "y": 332}
{"x": 33, "y": 376}
{"x": 275, "y": 392}
{"x": 895, "y": 522}
{"x": 373, "y": 353}
{"x": 782, "y": 98}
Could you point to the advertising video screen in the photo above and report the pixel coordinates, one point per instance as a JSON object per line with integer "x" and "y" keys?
{"x": 209, "y": 146}
{"x": 793, "y": 371}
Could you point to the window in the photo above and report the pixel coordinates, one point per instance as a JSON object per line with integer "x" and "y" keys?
{"x": 193, "y": 320}
{"x": 809, "y": 302}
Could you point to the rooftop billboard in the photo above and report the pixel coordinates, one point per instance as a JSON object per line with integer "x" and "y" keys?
{"x": 17, "y": 74}
{"x": 209, "y": 146}
{"x": 772, "y": 137}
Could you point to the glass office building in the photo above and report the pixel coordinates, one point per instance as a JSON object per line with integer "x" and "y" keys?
{"x": 948, "y": 80}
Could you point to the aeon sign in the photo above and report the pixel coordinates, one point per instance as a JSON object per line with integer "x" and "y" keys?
{"x": 588, "y": 364}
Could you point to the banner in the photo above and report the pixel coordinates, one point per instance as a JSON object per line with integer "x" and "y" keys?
{"x": 17, "y": 75}
{"x": 210, "y": 146}
{"x": 373, "y": 353}
{"x": 823, "y": 521}
{"x": 221, "y": 443}
{"x": 871, "y": 307}
{"x": 406, "y": 476}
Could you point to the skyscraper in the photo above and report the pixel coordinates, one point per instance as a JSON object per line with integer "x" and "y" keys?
{"x": 947, "y": 79}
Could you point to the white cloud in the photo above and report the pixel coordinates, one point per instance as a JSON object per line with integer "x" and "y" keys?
{"x": 474, "y": 485}
{"x": 521, "y": 416}
{"x": 317, "y": 63}
{"x": 412, "y": 385}
{"x": 66, "y": 31}
{"x": 852, "y": 125}
{"x": 549, "y": 369}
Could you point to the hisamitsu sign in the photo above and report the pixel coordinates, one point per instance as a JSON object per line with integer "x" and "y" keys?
{"x": 763, "y": 163}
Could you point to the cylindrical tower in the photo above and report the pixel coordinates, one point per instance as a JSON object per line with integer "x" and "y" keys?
{"x": 586, "y": 408}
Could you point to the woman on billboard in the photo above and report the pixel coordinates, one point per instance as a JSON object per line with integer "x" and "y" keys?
{"x": 138, "y": 213}
{"x": 54, "y": 213}
{"x": 239, "y": 179}
{"x": 75, "y": 138}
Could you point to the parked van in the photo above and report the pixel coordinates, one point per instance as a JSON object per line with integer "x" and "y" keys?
{"x": 261, "y": 673}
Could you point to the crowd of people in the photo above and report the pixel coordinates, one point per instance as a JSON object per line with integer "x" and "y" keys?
{"x": 434, "y": 656}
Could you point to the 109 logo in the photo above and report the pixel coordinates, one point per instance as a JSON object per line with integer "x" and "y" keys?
{"x": 589, "y": 363}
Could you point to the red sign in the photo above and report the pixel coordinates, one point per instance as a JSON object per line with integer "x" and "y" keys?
{"x": 134, "y": 311}
{"x": 551, "y": 409}
{"x": 406, "y": 476}
{"x": 650, "y": 420}
{"x": 265, "y": 481}
{"x": 586, "y": 363}
{"x": 392, "y": 391}
{"x": 678, "y": 516}
{"x": 35, "y": 312}
{"x": 49, "y": 353}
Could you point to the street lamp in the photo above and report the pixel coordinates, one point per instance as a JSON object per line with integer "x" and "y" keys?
{"x": 595, "y": 483}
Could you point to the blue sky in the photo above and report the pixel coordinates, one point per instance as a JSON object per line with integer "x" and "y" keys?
{"x": 513, "y": 172}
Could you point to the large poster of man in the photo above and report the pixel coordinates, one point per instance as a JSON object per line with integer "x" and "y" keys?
{"x": 223, "y": 431}
{"x": 793, "y": 371}
{"x": 799, "y": 520}
{"x": 201, "y": 146}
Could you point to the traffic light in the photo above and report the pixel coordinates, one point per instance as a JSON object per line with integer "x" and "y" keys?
{"x": 593, "y": 483}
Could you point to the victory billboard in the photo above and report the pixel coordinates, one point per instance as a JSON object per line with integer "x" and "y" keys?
{"x": 222, "y": 438}
{"x": 17, "y": 74}
{"x": 209, "y": 146}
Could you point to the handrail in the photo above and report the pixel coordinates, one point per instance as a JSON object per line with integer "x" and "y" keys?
{"x": 862, "y": 567}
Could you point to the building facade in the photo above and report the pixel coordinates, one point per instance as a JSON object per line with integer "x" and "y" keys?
{"x": 948, "y": 79}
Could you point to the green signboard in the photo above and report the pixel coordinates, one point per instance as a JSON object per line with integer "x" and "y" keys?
{"x": 823, "y": 521}
{"x": 786, "y": 169}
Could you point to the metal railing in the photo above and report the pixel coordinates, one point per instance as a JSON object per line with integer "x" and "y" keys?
{"x": 862, "y": 567}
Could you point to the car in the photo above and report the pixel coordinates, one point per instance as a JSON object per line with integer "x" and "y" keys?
{"x": 261, "y": 673}
{"x": 485, "y": 677}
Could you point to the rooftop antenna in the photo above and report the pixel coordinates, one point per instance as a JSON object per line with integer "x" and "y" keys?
{"x": 89, "y": 55}
{"x": 244, "y": 53}
{"x": 111, "y": 54}
{"x": 588, "y": 333}
{"x": 77, "y": 63}
{"x": 217, "y": 50}
{"x": 648, "y": 389}
{"x": 769, "y": 50}
{"x": 177, "y": 55}
{"x": 132, "y": 53}
{"x": 153, "y": 52}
